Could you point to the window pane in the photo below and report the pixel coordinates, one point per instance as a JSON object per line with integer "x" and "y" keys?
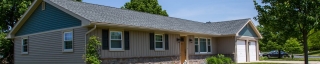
{"x": 115, "y": 43}
{"x": 196, "y": 40}
{"x": 68, "y": 36}
{"x": 25, "y": 45}
{"x": 203, "y": 45}
{"x": 209, "y": 48}
{"x": 158, "y": 37}
{"x": 68, "y": 44}
{"x": 115, "y": 35}
{"x": 159, "y": 45}
{"x": 209, "y": 42}
{"x": 196, "y": 48}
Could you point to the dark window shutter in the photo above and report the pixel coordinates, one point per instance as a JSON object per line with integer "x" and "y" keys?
{"x": 105, "y": 40}
{"x": 166, "y": 42}
{"x": 151, "y": 41}
{"x": 126, "y": 40}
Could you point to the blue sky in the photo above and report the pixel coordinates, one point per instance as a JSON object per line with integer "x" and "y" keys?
{"x": 199, "y": 10}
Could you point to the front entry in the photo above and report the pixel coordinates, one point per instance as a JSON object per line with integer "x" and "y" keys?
{"x": 182, "y": 49}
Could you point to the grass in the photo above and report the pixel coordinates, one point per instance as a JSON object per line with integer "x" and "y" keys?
{"x": 262, "y": 63}
{"x": 294, "y": 59}
{"x": 312, "y": 53}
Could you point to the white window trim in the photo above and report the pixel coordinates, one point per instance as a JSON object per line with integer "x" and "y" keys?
{"x": 122, "y": 43}
{"x": 63, "y": 43}
{"x": 199, "y": 52}
{"x": 163, "y": 44}
{"x": 22, "y": 46}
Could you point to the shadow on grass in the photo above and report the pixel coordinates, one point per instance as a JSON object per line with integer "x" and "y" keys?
{"x": 314, "y": 52}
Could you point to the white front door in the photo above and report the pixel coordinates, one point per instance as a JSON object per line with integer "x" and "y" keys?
{"x": 252, "y": 51}
{"x": 241, "y": 51}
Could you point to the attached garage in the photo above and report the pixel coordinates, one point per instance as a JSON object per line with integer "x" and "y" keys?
{"x": 252, "y": 51}
{"x": 241, "y": 51}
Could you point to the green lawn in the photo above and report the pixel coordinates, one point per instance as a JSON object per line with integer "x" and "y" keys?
{"x": 261, "y": 63}
{"x": 294, "y": 59}
{"x": 312, "y": 53}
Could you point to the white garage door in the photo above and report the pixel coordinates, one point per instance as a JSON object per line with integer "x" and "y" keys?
{"x": 252, "y": 51}
{"x": 241, "y": 51}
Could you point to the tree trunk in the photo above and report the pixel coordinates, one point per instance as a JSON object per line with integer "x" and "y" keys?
{"x": 305, "y": 46}
{"x": 279, "y": 53}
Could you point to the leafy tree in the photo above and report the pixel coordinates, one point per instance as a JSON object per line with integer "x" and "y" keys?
{"x": 294, "y": 18}
{"x": 314, "y": 42}
{"x": 292, "y": 46}
{"x": 6, "y": 49}
{"x": 92, "y": 55}
{"x": 148, "y": 6}
{"x": 272, "y": 41}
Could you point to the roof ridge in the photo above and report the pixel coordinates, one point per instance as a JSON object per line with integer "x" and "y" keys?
{"x": 138, "y": 11}
{"x": 232, "y": 20}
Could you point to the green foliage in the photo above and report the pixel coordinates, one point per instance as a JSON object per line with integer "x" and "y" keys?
{"x": 314, "y": 41}
{"x": 220, "y": 59}
{"x": 92, "y": 55}
{"x": 148, "y": 6}
{"x": 6, "y": 49}
{"x": 292, "y": 46}
{"x": 263, "y": 58}
{"x": 290, "y": 18}
{"x": 271, "y": 40}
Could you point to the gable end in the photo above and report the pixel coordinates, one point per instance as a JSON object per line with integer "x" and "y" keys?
{"x": 45, "y": 20}
{"x": 247, "y": 31}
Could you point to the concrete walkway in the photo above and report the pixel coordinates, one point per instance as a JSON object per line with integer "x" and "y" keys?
{"x": 289, "y": 62}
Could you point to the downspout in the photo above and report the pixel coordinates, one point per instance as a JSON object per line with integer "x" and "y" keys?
{"x": 85, "y": 40}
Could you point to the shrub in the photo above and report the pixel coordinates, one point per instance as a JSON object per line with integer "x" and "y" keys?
{"x": 220, "y": 59}
{"x": 263, "y": 58}
{"x": 92, "y": 56}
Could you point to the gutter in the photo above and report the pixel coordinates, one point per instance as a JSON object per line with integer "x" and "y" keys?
{"x": 85, "y": 40}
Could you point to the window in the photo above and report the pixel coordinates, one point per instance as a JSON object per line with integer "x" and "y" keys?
{"x": 116, "y": 40}
{"x": 68, "y": 41}
{"x": 24, "y": 47}
{"x": 159, "y": 42}
{"x": 202, "y": 45}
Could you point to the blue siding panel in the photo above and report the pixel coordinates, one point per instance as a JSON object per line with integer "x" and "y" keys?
{"x": 247, "y": 31}
{"x": 49, "y": 19}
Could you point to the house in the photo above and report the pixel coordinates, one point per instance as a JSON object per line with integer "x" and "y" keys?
{"x": 56, "y": 31}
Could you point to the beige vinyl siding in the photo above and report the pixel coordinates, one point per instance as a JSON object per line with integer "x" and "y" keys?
{"x": 226, "y": 45}
{"x": 46, "y": 48}
{"x": 214, "y": 45}
{"x": 140, "y": 46}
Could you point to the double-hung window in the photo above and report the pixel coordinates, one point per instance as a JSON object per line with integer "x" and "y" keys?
{"x": 159, "y": 42}
{"x": 116, "y": 43}
{"x": 68, "y": 41}
{"x": 24, "y": 46}
{"x": 202, "y": 45}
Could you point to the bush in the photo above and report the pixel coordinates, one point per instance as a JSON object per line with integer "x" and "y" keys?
{"x": 92, "y": 56}
{"x": 263, "y": 58}
{"x": 220, "y": 59}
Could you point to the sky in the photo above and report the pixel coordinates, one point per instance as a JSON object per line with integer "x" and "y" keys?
{"x": 199, "y": 10}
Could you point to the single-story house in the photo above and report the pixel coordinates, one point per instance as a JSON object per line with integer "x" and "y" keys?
{"x": 57, "y": 31}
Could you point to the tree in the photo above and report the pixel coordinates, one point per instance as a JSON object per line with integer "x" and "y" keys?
{"x": 314, "y": 42}
{"x": 148, "y": 6}
{"x": 294, "y": 18}
{"x": 292, "y": 46}
{"x": 6, "y": 49}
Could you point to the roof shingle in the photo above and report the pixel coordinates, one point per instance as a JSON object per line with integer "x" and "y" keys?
{"x": 100, "y": 13}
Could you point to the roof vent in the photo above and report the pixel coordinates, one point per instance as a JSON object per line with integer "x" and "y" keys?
{"x": 208, "y": 22}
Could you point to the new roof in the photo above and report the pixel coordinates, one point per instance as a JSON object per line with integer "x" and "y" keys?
{"x": 100, "y": 13}
{"x": 111, "y": 15}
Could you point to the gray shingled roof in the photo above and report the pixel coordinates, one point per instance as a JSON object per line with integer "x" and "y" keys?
{"x": 100, "y": 13}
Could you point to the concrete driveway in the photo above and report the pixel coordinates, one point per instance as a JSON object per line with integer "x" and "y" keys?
{"x": 289, "y": 62}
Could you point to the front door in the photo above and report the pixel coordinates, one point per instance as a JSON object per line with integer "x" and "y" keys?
{"x": 183, "y": 49}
